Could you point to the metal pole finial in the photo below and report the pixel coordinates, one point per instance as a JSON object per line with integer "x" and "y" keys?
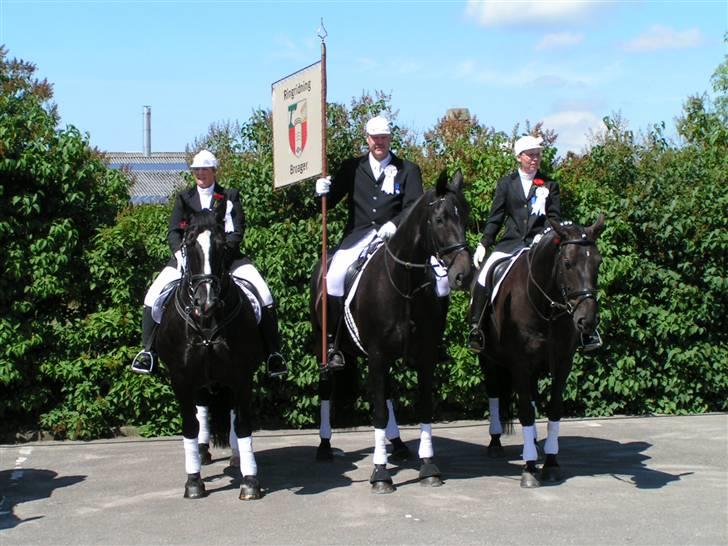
{"x": 321, "y": 30}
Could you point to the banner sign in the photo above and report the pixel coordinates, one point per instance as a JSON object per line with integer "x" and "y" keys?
{"x": 297, "y": 138}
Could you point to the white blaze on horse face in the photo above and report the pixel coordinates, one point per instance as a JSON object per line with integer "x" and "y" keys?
{"x": 204, "y": 240}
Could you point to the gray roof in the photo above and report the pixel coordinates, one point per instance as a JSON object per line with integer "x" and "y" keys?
{"x": 154, "y": 178}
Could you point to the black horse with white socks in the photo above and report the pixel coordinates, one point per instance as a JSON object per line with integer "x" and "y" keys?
{"x": 396, "y": 314}
{"x": 546, "y": 302}
{"x": 208, "y": 339}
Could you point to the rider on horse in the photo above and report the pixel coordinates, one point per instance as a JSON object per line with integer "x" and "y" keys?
{"x": 379, "y": 187}
{"x": 206, "y": 195}
{"x": 524, "y": 201}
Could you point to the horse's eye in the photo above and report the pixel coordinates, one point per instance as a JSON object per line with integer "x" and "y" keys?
{"x": 439, "y": 221}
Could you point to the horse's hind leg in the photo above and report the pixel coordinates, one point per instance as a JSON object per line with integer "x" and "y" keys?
{"x": 400, "y": 452}
{"x": 551, "y": 471}
{"x": 324, "y": 451}
{"x": 203, "y": 436}
{"x": 527, "y": 418}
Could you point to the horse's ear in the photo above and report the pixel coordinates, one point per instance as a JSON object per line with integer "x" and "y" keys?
{"x": 441, "y": 186}
{"x": 456, "y": 184}
{"x": 595, "y": 230}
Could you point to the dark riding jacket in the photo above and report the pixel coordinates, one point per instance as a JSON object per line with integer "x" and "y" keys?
{"x": 188, "y": 202}
{"x": 512, "y": 208}
{"x": 369, "y": 207}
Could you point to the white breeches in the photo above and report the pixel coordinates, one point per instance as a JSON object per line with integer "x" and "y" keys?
{"x": 343, "y": 258}
{"x": 166, "y": 276}
{"x": 246, "y": 272}
{"x": 250, "y": 274}
{"x": 488, "y": 264}
{"x": 341, "y": 261}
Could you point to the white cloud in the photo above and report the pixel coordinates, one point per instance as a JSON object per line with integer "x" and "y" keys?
{"x": 662, "y": 37}
{"x": 574, "y": 129}
{"x": 492, "y": 13}
{"x": 560, "y": 39}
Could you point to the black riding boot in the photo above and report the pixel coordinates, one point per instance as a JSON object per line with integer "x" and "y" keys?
{"x": 146, "y": 360}
{"x": 335, "y": 309}
{"x": 443, "y": 305}
{"x": 481, "y": 297}
{"x": 275, "y": 362}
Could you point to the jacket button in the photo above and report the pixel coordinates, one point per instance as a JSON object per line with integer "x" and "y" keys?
{"x": 374, "y": 210}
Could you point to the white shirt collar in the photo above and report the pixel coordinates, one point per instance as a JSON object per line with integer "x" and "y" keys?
{"x": 379, "y": 166}
{"x": 206, "y": 195}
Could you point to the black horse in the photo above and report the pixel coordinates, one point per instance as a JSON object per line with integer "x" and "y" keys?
{"x": 397, "y": 314}
{"x": 545, "y": 303}
{"x": 209, "y": 342}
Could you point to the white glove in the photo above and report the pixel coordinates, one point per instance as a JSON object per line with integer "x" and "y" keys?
{"x": 323, "y": 185}
{"x": 479, "y": 255}
{"x": 386, "y": 231}
{"x": 178, "y": 257}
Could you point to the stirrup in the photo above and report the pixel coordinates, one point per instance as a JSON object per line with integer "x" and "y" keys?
{"x": 476, "y": 340}
{"x": 279, "y": 367}
{"x": 590, "y": 342}
{"x": 144, "y": 362}
{"x": 335, "y": 361}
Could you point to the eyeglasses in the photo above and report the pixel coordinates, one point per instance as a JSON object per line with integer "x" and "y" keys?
{"x": 533, "y": 154}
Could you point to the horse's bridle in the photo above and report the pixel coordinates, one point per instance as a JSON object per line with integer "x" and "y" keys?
{"x": 184, "y": 308}
{"x": 440, "y": 255}
{"x": 567, "y": 295}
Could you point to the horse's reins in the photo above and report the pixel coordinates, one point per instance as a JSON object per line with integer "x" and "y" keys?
{"x": 185, "y": 309}
{"x": 440, "y": 254}
{"x": 567, "y": 307}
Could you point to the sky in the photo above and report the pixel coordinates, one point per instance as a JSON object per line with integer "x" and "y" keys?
{"x": 567, "y": 64}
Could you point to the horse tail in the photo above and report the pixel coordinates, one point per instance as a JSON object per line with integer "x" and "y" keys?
{"x": 220, "y": 406}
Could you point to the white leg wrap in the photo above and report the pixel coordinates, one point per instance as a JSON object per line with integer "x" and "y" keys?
{"x": 392, "y": 427}
{"x": 425, "y": 451}
{"x": 203, "y": 436}
{"x": 247, "y": 458}
{"x": 233, "y": 437}
{"x": 192, "y": 456}
{"x": 325, "y": 426}
{"x": 380, "y": 446}
{"x": 495, "y": 424}
{"x": 552, "y": 439}
{"x": 529, "y": 444}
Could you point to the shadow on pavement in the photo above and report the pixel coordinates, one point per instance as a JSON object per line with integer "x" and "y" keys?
{"x": 24, "y": 485}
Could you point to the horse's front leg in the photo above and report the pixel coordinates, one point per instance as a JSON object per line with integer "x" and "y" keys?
{"x": 551, "y": 471}
{"x": 250, "y": 487}
{"x": 527, "y": 418}
{"x": 429, "y": 472}
{"x": 380, "y": 479}
{"x": 194, "y": 486}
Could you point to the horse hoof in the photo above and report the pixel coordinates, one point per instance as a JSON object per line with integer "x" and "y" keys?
{"x": 430, "y": 475}
{"x": 324, "y": 451}
{"x": 400, "y": 452}
{"x": 250, "y": 489}
{"x": 529, "y": 480}
{"x": 551, "y": 474}
{"x": 205, "y": 455}
{"x": 432, "y": 481}
{"x": 382, "y": 488}
{"x": 381, "y": 480}
{"x": 496, "y": 452}
{"x": 194, "y": 487}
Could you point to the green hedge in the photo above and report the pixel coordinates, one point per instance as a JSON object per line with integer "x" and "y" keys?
{"x": 77, "y": 260}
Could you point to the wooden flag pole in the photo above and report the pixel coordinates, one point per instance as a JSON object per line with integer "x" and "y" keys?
{"x": 324, "y": 173}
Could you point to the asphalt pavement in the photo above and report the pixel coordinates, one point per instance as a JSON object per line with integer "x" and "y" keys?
{"x": 627, "y": 481}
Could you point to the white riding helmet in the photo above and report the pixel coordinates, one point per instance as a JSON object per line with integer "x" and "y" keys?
{"x": 204, "y": 159}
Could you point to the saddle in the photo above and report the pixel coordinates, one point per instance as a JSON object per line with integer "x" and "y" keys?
{"x": 499, "y": 270}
